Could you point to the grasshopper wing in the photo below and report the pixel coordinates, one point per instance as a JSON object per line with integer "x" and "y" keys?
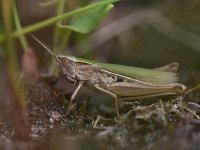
{"x": 146, "y": 75}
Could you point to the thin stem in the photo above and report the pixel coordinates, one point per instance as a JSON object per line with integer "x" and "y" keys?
{"x": 51, "y": 21}
{"x": 10, "y": 53}
{"x": 65, "y": 40}
{"x": 60, "y": 9}
{"x": 18, "y": 26}
{"x": 48, "y": 3}
{"x": 16, "y": 91}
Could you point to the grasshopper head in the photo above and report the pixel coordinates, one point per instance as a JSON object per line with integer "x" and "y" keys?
{"x": 68, "y": 66}
{"x": 66, "y": 63}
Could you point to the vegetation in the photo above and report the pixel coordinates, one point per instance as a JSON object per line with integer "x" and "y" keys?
{"x": 34, "y": 95}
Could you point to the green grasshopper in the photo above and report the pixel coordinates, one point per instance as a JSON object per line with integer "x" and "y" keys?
{"x": 118, "y": 81}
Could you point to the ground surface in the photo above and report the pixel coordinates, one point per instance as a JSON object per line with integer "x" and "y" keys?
{"x": 48, "y": 125}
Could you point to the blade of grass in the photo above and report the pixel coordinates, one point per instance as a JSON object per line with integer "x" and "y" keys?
{"x": 10, "y": 53}
{"x": 17, "y": 94}
{"x": 51, "y": 21}
{"x": 7, "y": 26}
{"x": 57, "y": 37}
{"x": 48, "y": 3}
{"x": 18, "y": 27}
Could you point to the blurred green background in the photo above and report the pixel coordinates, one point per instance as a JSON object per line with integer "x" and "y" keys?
{"x": 139, "y": 33}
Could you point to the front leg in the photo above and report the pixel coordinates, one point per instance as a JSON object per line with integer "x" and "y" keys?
{"x": 71, "y": 103}
{"x": 114, "y": 96}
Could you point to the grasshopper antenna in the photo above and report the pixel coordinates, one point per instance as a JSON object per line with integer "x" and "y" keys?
{"x": 45, "y": 47}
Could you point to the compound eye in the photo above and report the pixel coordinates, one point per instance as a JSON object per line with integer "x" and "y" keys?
{"x": 65, "y": 61}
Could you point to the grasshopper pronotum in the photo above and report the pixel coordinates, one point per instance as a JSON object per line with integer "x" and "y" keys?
{"x": 118, "y": 81}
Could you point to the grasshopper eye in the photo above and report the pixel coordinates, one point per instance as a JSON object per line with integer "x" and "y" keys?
{"x": 65, "y": 61}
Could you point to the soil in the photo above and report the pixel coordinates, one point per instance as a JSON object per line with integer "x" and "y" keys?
{"x": 46, "y": 123}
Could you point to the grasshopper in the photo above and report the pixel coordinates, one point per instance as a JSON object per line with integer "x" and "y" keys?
{"x": 118, "y": 81}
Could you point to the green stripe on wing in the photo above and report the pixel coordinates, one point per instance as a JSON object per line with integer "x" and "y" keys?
{"x": 147, "y": 75}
